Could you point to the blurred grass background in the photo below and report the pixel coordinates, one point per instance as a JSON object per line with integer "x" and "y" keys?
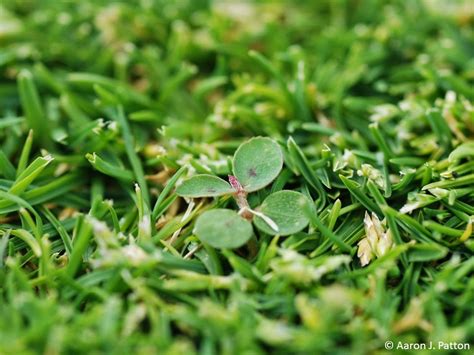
{"x": 182, "y": 72}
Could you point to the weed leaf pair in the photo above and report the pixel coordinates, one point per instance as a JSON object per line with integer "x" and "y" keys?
{"x": 256, "y": 164}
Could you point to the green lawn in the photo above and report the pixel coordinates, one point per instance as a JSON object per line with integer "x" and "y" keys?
{"x": 140, "y": 213}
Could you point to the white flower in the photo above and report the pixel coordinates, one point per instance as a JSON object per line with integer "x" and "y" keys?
{"x": 364, "y": 253}
{"x": 377, "y": 241}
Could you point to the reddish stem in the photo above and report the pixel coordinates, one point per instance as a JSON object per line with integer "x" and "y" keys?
{"x": 240, "y": 197}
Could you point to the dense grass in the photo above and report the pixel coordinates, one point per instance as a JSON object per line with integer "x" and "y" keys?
{"x": 106, "y": 107}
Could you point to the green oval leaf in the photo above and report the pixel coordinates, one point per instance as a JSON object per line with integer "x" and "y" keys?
{"x": 285, "y": 208}
{"x": 204, "y": 186}
{"x": 222, "y": 228}
{"x": 257, "y": 163}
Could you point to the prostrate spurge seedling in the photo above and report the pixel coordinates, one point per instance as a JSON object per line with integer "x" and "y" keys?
{"x": 256, "y": 164}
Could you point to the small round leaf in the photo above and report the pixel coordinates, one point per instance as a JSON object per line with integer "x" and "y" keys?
{"x": 285, "y": 208}
{"x": 257, "y": 163}
{"x": 222, "y": 228}
{"x": 204, "y": 186}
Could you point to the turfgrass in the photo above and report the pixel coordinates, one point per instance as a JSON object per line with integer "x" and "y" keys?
{"x": 106, "y": 107}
